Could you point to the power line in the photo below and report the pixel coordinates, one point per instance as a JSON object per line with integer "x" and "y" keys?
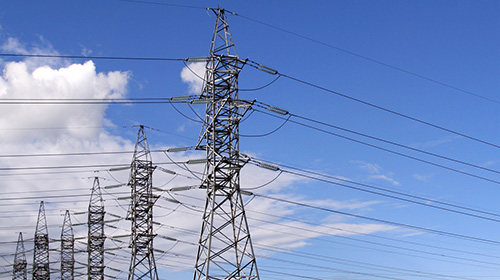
{"x": 411, "y": 73}
{"x": 87, "y": 101}
{"x": 51, "y": 196}
{"x": 92, "y": 57}
{"x": 165, "y": 4}
{"x": 438, "y": 232}
{"x": 346, "y": 231}
{"x": 266, "y": 106}
{"x": 370, "y": 59}
{"x": 378, "y": 191}
{"x": 329, "y": 259}
{"x": 359, "y": 240}
{"x": 392, "y": 151}
{"x": 293, "y": 230}
{"x": 388, "y": 110}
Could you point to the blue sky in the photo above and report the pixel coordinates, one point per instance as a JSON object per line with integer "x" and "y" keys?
{"x": 434, "y": 61}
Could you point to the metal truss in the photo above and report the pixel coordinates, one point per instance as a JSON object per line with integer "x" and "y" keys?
{"x": 225, "y": 249}
{"x": 142, "y": 263}
{"x": 67, "y": 249}
{"x": 41, "y": 269}
{"x": 20, "y": 264}
{"x": 96, "y": 235}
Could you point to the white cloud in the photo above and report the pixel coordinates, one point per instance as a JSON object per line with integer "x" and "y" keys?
{"x": 420, "y": 177}
{"x": 384, "y": 178}
{"x": 435, "y": 143}
{"x": 348, "y": 205}
{"x": 42, "y": 47}
{"x": 77, "y": 81}
{"x": 375, "y": 172}
{"x": 85, "y": 51}
{"x": 368, "y": 167}
{"x": 14, "y": 45}
{"x": 193, "y": 74}
{"x": 40, "y": 129}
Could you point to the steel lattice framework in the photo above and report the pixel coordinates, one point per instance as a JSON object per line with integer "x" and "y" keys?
{"x": 67, "y": 249}
{"x": 142, "y": 263}
{"x": 41, "y": 269}
{"x": 96, "y": 235}
{"x": 225, "y": 249}
{"x": 20, "y": 264}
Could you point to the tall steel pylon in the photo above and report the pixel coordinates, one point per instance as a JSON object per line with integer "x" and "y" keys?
{"x": 142, "y": 263}
{"x": 67, "y": 249}
{"x": 96, "y": 235}
{"x": 225, "y": 249}
{"x": 41, "y": 269}
{"x": 19, "y": 268}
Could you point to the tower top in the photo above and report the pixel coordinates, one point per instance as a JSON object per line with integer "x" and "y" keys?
{"x": 222, "y": 40}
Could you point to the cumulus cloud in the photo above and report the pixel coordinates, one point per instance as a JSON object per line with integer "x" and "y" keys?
{"x": 15, "y": 46}
{"x": 29, "y": 129}
{"x": 77, "y": 81}
{"x": 193, "y": 74}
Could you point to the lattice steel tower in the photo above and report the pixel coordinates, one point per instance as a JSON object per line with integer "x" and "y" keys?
{"x": 67, "y": 249}
{"x": 142, "y": 263}
{"x": 20, "y": 264}
{"x": 41, "y": 269}
{"x": 225, "y": 249}
{"x": 96, "y": 235}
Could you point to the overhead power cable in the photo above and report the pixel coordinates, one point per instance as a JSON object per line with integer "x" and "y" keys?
{"x": 92, "y": 57}
{"x": 89, "y": 101}
{"x": 74, "y": 154}
{"x": 395, "y": 152}
{"x": 411, "y": 73}
{"x": 295, "y": 229}
{"x": 364, "y": 241}
{"x": 316, "y": 41}
{"x": 310, "y": 174}
{"x": 54, "y": 196}
{"x": 418, "y": 228}
{"x": 358, "y": 264}
{"x": 250, "y": 62}
{"x": 335, "y": 260}
{"x": 269, "y": 107}
{"x": 116, "y": 165}
{"x": 389, "y": 110}
{"x": 329, "y": 229}
{"x": 165, "y": 4}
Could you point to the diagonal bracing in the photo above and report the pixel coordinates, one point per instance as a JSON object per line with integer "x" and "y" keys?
{"x": 67, "y": 249}
{"x": 142, "y": 263}
{"x": 96, "y": 237}
{"x": 225, "y": 249}
{"x": 41, "y": 269}
{"x": 20, "y": 264}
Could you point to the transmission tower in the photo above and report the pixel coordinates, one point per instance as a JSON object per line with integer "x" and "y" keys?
{"x": 67, "y": 249}
{"x": 225, "y": 249}
{"x": 20, "y": 264}
{"x": 41, "y": 247}
{"x": 142, "y": 263}
{"x": 96, "y": 234}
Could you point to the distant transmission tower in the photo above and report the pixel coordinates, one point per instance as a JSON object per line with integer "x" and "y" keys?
{"x": 41, "y": 248}
{"x": 20, "y": 264}
{"x": 67, "y": 249}
{"x": 225, "y": 249}
{"x": 96, "y": 234}
{"x": 142, "y": 263}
